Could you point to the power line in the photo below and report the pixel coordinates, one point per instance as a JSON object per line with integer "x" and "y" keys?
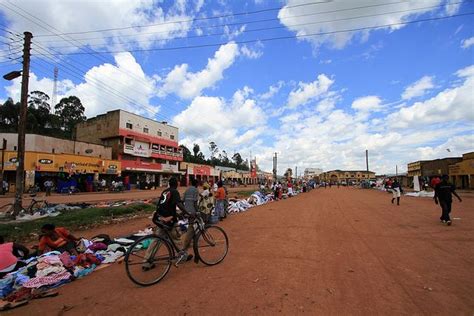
{"x": 268, "y": 39}
{"x": 97, "y": 57}
{"x": 236, "y": 23}
{"x": 189, "y": 20}
{"x": 293, "y": 25}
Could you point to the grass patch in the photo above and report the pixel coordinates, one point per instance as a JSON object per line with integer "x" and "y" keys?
{"x": 245, "y": 193}
{"x": 72, "y": 220}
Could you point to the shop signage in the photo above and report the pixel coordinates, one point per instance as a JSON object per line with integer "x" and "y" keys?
{"x": 45, "y": 161}
{"x": 13, "y": 160}
{"x": 155, "y": 147}
{"x": 89, "y": 151}
{"x": 112, "y": 167}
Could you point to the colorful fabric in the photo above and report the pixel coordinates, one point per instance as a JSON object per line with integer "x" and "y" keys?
{"x": 7, "y": 259}
{"x": 47, "y": 280}
{"x": 63, "y": 238}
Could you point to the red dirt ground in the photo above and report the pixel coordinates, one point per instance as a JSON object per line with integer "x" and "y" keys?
{"x": 328, "y": 252}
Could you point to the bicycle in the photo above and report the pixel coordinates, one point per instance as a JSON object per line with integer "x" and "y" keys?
{"x": 35, "y": 206}
{"x": 210, "y": 245}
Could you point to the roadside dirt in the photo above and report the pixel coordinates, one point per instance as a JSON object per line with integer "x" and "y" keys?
{"x": 327, "y": 252}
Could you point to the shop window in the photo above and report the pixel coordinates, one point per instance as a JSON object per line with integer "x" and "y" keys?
{"x": 172, "y": 163}
{"x": 129, "y": 125}
{"x": 145, "y": 130}
{"x": 159, "y": 133}
{"x": 172, "y": 136}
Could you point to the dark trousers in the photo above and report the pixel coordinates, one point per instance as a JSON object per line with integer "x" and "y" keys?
{"x": 446, "y": 209}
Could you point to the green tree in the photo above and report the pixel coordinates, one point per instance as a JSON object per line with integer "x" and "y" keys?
{"x": 71, "y": 112}
{"x": 237, "y": 158}
{"x": 196, "y": 150}
{"x": 186, "y": 153}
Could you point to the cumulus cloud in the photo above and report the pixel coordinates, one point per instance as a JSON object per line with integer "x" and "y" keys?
{"x": 418, "y": 88}
{"x": 228, "y": 122}
{"x": 367, "y": 104}
{"x": 188, "y": 85}
{"x": 254, "y": 52}
{"x": 333, "y": 16}
{"x": 452, "y": 104}
{"x": 468, "y": 42}
{"x": 309, "y": 91}
{"x": 272, "y": 90}
{"x": 162, "y": 24}
{"x": 105, "y": 87}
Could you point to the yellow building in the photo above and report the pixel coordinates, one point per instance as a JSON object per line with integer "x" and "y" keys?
{"x": 462, "y": 173}
{"x": 38, "y": 163}
{"x": 346, "y": 176}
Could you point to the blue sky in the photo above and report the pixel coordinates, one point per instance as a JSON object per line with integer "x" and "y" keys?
{"x": 402, "y": 91}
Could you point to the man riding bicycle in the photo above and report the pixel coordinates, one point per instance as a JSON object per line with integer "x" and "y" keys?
{"x": 165, "y": 217}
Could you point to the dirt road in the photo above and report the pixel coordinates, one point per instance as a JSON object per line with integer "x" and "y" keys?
{"x": 330, "y": 251}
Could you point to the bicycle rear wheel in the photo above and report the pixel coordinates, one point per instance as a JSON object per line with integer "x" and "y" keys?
{"x": 7, "y": 209}
{"x": 211, "y": 245}
{"x": 148, "y": 260}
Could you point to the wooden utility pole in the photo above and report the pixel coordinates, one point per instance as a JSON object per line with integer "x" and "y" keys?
{"x": 4, "y": 147}
{"x": 20, "y": 170}
{"x": 367, "y": 164}
{"x": 275, "y": 167}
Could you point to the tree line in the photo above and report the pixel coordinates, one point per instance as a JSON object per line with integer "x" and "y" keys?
{"x": 42, "y": 119}
{"x": 217, "y": 157}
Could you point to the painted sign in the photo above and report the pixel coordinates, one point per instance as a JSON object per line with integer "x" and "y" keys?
{"x": 45, "y": 161}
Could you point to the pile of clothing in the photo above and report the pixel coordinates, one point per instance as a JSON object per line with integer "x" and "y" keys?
{"x": 53, "y": 269}
{"x": 257, "y": 198}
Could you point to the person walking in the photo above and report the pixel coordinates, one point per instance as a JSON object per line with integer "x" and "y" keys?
{"x": 444, "y": 192}
{"x": 396, "y": 191}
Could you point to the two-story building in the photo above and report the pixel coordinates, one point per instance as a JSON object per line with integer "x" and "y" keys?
{"x": 347, "y": 176}
{"x": 148, "y": 150}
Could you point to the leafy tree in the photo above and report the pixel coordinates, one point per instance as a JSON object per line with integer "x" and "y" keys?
{"x": 71, "y": 112}
{"x": 186, "y": 153}
{"x": 237, "y": 158}
{"x": 39, "y": 100}
{"x": 196, "y": 150}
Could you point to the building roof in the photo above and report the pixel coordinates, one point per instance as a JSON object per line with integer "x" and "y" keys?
{"x": 337, "y": 170}
{"x": 120, "y": 110}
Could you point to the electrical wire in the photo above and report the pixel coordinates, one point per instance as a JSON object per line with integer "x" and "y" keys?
{"x": 284, "y": 26}
{"x": 268, "y": 39}
{"x": 185, "y": 21}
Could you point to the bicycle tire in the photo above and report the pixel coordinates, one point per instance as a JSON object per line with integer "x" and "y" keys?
{"x": 7, "y": 209}
{"x": 38, "y": 204}
{"x": 135, "y": 269}
{"x": 206, "y": 239}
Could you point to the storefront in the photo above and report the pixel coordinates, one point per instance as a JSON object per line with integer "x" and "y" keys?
{"x": 202, "y": 173}
{"x": 59, "y": 168}
{"x": 462, "y": 173}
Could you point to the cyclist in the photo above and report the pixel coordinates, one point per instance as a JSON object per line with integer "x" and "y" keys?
{"x": 165, "y": 217}
{"x": 191, "y": 199}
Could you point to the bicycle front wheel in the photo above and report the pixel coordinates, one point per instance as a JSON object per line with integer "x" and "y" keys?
{"x": 211, "y": 245}
{"x": 148, "y": 260}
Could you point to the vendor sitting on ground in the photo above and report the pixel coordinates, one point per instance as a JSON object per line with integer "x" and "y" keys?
{"x": 10, "y": 253}
{"x": 58, "y": 239}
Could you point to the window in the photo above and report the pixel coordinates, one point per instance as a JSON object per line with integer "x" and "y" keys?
{"x": 159, "y": 133}
{"x": 173, "y": 163}
{"x": 172, "y": 136}
{"x": 145, "y": 130}
{"x": 128, "y": 141}
{"x": 129, "y": 125}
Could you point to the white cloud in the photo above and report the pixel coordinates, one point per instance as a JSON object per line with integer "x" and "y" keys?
{"x": 468, "y": 42}
{"x": 452, "y": 104}
{"x": 252, "y": 53}
{"x": 292, "y": 18}
{"x": 105, "y": 87}
{"x": 102, "y": 15}
{"x": 188, "y": 85}
{"x": 418, "y": 88}
{"x": 309, "y": 91}
{"x": 272, "y": 90}
{"x": 367, "y": 104}
{"x": 230, "y": 123}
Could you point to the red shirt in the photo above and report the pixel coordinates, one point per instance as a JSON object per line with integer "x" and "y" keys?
{"x": 63, "y": 238}
{"x": 220, "y": 194}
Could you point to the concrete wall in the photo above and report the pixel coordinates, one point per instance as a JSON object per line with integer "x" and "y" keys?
{"x": 154, "y": 128}
{"x": 46, "y": 144}
{"x": 438, "y": 167}
{"x": 102, "y": 126}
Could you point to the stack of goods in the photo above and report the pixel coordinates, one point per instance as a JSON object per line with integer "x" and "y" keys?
{"x": 257, "y": 198}
{"x": 41, "y": 274}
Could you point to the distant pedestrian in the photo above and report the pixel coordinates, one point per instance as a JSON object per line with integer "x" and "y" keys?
{"x": 444, "y": 195}
{"x": 396, "y": 191}
{"x": 48, "y": 185}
